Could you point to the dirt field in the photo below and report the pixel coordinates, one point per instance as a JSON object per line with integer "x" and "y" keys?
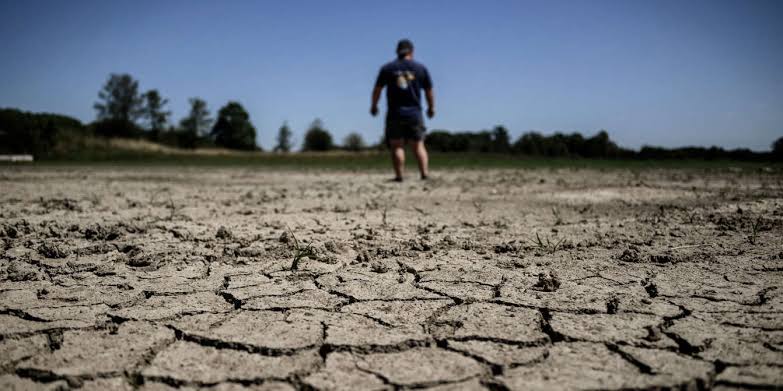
{"x": 172, "y": 278}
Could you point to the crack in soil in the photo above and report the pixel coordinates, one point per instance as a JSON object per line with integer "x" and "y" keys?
{"x": 643, "y": 368}
{"x": 653, "y": 211}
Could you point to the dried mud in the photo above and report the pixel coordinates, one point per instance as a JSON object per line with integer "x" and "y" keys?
{"x": 229, "y": 279}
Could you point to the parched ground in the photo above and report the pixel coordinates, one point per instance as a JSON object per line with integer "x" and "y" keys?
{"x": 226, "y": 279}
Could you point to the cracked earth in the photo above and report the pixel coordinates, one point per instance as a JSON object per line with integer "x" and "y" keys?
{"x": 228, "y": 279}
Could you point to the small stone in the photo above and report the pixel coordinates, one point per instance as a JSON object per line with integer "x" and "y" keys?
{"x": 10, "y": 231}
{"x": 223, "y": 233}
{"x": 652, "y": 289}
{"x": 20, "y": 271}
{"x": 631, "y": 254}
{"x": 612, "y": 305}
{"x": 53, "y": 250}
{"x": 378, "y": 267}
{"x": 363, "y": 256}
{"x": 547, "y": 282}
{"x": 140, "y": 260}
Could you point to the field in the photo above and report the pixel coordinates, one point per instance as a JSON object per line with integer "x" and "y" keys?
{"x": 159, "y": 277}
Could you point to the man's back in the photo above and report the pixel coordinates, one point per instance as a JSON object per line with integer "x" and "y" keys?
{"x": 404, "y": 79}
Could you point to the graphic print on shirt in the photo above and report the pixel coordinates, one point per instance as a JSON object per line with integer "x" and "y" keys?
{"x": 403, "y": 77}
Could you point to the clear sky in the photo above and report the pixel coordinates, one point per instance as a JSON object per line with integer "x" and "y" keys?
{"x": 655, "y": 72}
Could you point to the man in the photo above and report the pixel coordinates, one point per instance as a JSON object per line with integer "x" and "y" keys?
{"x": 404, "y": 79}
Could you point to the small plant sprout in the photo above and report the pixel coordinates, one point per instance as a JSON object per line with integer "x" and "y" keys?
{"x": 558, "y": 217}
{"x": 755, "y": 228}
{"x": 548, "y": 245}
{"x": 477, "y": 205}
{"x": 174, "y": 210}
{"x": 300, "y": 252}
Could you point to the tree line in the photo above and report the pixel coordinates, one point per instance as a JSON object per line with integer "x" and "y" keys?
{"x": 123, "y": 111}
{"x": 575, "y": 145}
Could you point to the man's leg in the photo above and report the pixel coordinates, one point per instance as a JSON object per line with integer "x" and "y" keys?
{"x": 397, "y": 147}
{"x": 421, "y": 156}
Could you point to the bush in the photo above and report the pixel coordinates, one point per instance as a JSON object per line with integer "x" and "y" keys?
{"x": 573, "y": 145}
{"x": 777, "y": 149}
{"x": 115, "y": 128}
{"x": 353, "y": 142}
{"x": 37, "y": 134}
{"x": 233, "y": 128}
{"x": 317, "y": 138}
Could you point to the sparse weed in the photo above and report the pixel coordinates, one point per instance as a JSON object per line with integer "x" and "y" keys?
{"x": 95, "y": 199}
{"x": 558, "y": 217}
{"x": 755, "y": 228}
{"x": 154, "y": 195}
{"x": 174, "y": 210}
{"x": 300, "y": 252}
{"x": 478, "y": 206}
{"x": 548, "y": 245}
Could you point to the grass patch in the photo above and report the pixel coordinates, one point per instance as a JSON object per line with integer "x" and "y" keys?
{"x": 547, "y": 245}
{"x": 135, "y": 153}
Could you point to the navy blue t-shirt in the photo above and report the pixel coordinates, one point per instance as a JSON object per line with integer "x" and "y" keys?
{"x": 404, "y": 80}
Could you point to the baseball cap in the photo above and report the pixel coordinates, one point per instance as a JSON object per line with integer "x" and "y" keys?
{"x": 404, "y": 46}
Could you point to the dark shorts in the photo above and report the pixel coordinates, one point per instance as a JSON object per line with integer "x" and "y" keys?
{"x": 405, "y": 129}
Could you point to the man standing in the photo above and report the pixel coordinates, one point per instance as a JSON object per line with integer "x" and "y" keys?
{"x": 404, "y": 79}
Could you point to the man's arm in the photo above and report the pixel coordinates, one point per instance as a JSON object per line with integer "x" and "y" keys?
{"x": 430, "y": 102}
{"x": 376, "y": 96}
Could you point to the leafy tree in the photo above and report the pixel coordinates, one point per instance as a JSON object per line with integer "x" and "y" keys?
{"x": 575, "y": 144}
{"x": 353, "y": 142}
{"x": 439, "y": 140}
{"x": 599, "y": 145}
{"x": 534, "y": 143}
{"x": 481, "y": 141}
{"x": 317, "y": 138}
{"x": 777, "y": 149}
{"x": 233, "y": 128}
{"x": 120, "y": 106}
{"x": 36, "y": 133}
{"x": 500, "y": 139}
{"x": 156, "y": 116}
{"x": 196, "y": 125}
{"x": 284, "y": 139}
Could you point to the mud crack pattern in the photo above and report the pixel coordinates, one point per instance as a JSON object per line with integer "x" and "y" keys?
{"x": 237, "y": 278}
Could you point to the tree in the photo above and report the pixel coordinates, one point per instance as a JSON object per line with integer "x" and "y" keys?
{"x": 439, "y": 140}
{"x": 233, "y": 128}
{"x": 120, "y": 106}
{"x": 156, "y": 117}
{"x": 478, "y": 142}
{"x": 284, "y": 138}
{"x": 317, "y": 138}
{"x": 196, "y": 125}
{"x": 353, "y": 142}
{"x": 777, "y": 149}
{"x": 598, "y": 146}
{"x": 500, "y": 139}
{"x": 39, "y": 134}
{"x": 530, "y": 143}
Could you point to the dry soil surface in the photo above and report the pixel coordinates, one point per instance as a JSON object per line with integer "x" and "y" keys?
{"x": 228, "y": 279}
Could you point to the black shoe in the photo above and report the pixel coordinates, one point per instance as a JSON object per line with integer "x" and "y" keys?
{"x": 425, "y": 177}
{"x": 396, "y": 179}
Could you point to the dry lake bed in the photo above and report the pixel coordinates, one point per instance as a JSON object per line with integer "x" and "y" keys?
{"x": 160, "y": 278}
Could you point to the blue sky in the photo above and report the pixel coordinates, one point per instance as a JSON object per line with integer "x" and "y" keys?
{"x": 655, "y": 72}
